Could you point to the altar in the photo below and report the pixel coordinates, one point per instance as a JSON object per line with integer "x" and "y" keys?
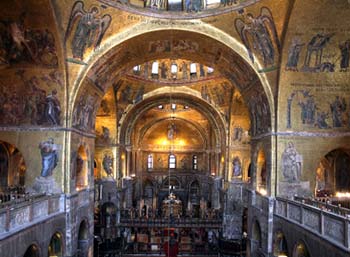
{"x": 171, "y": 205}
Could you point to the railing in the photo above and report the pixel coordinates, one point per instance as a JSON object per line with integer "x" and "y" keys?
{"x": 22, "y": 212}
{"x": 325, "y": 204}
{"x": 330, "y": 226}
{"x": 165, "y": 222}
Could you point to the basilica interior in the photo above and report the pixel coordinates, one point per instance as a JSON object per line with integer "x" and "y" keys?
{"x": 174, "y": 128}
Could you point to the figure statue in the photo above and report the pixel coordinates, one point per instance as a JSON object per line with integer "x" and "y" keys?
{"x": 52, "y": 108}
{"x": 49, "y": 157}
{"x": 259, "y": 34}
{"x": 237, "y": 167}
{"x": 291, "y": 163}
{"x": 107, "y": 164}
{"x": 89, "y": 30}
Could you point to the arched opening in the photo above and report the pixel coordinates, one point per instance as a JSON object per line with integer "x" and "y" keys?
{"x": 56, "y": 246}
{"x": 148, "y": 195}
{"x": 32, "y": 251}
{"x": 83, "y": 239}
{"x": 109, "y": 212}
{"x": 255, "y": 242}
{"x": 280, "y": 245}
{"x": 332, "y": 174}
{"x": 194, "y": 198}
{"x": 165, "y": 116}
{"x": 261, "y": 175}
{"x": 300, "y": 250}
{"x": 12, "y": 172}
{"x": 81, "y": 179}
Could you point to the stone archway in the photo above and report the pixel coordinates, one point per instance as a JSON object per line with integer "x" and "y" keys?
{"x": 83, "y": 239}
{"x": 32, "y": 251}
{"x": 56, "y": 246}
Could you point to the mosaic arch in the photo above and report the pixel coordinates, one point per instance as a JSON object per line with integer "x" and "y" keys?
{"x": 182, "y": 44}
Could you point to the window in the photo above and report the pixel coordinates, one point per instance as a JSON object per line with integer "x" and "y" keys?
{"x": 173, "y": 106}
{"x": 150, "y": 161}
{"x": 210, "y": 70}
{"x": 172, "y": 161}
{"x": 137, "y": 69}
{"x": 173, "y": 68}
{"x": 155, "y": 67}
{"x": 195, "y": 162}
{"x": 193, "y": 68}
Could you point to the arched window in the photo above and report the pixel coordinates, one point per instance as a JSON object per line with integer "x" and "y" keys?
{"x": 150, "y": 162}
{"x": 193, "y": 70}
{"x": 172, "y": 161}
{"x": 195, "y": 162}
{"x": 155, "y": 69}
{"x": 137, "y": 69}
{"x": 173, "y": 68}
{"x": 55, "y": 247}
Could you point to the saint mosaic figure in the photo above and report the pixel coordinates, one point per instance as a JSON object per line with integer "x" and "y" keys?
{"x": 259, "y": 34}
{"x": 291, "y": 164}
{"x": 52, "y": 108}
{"x": 89, "y": 31}
{"x": 49, "y": 157}
{"x": 293, "y": 55}
{"x": 345, "y": 55}
{"x": 338, "y": 107}
{"x": 107, "y": 164}
{"x": 237, "y": 167}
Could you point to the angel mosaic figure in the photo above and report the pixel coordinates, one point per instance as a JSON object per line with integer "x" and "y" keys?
{"x": 259, "y": 35}
{"x": 89, "y": 30}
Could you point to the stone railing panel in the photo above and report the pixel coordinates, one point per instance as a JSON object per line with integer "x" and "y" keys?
{"x": 40, "y": 209}
{"x": 334, "y": 229}
{"x": 311, "y": 219}
{"x": 54, "y": 204}
{"x": 294, "y": 212}
{"x": 280, "y": 208}
{"x": 20, "y": 217}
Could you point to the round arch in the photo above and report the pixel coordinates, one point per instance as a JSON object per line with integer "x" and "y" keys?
{"x": 280, "y": 247}
{"x": 32, "y": 251}
{"x": 56, "y": 245}
{"x": 83, "y": 239}
{"x": 12, "y": 168}
{"x": 332, "y": 173}
{"x": 256, "y": 238}
{"x": 247, "y": 79}
{"x": 301, "y": 250}
{"x": 203, "y": 29}
{"x": 81, "y": 168}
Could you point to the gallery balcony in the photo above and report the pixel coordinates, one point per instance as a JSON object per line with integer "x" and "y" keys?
{"x": 17, "y": 212}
